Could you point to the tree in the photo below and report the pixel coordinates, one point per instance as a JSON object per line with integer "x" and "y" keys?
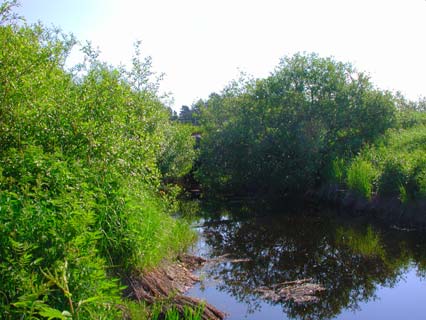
{"x": 280, "y": 134}
{"x": 185, "y": 114}
{"x": 190, "y": 115}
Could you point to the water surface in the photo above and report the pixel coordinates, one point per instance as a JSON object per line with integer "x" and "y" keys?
{"x": 369, "y": 271}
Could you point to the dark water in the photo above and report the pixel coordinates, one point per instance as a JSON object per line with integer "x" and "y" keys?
{"x": 369, "y": 271}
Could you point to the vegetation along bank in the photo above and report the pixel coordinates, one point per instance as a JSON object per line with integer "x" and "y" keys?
{"x": 316, "y": 126}
{"x": 84, "y": 153}
{"x": 89, "y": 157}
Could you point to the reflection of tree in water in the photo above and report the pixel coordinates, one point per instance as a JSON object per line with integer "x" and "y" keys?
{"x": 349, "y": 262}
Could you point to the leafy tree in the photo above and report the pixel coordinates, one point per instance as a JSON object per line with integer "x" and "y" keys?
{"x": 189, "y": 115}
{"x": 281, "y": 134}
{"x": 185, "y": 114}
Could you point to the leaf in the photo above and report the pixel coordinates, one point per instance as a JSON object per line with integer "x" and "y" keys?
{"x": 51, "y": 313}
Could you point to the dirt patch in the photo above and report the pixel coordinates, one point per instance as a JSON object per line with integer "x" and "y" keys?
{"x": 169, "y": 282}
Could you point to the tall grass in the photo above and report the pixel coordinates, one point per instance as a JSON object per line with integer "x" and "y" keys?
{"x": 394, "y": 166}
{"x": 337, "y": 170}
{"x": 162, "y": 310}
{"x": 360, "y": 177}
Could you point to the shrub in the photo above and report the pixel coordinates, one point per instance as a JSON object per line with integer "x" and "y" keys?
{"x": 421, "y": 182}
{"x": 80, "y": 202}
{"x": 393, "y": 177}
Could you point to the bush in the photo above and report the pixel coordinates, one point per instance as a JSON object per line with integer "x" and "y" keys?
{"x": 280, "y": 134}
{"x": 80, "y": 200}
{"x": 177, "y": 152}
{"x": 394, "y": 176}
{"x": 421, "y": 182}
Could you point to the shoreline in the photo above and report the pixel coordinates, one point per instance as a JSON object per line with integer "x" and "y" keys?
{"x": 389, "y": 210}
{"x": 168, "y": 283}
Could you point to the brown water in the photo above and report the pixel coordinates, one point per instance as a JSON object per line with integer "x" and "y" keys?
{"x": 369, "y": 271}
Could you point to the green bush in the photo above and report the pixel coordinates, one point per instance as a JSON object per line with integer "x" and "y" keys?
{"x": 394, "y": 176}
{"x": 177, "y": 152}
{"x": 421, "y": 182}
{"x": 280, "y": 134}
{"x": 80, "y": 177}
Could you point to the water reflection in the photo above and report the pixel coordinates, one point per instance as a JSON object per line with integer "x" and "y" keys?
{"x": 351, "y": 260}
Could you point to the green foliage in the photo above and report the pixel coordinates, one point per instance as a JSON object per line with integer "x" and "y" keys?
{"x": 189, "y": 115}
{"x": 393, "y": 177}
{"x": 170, "y": 312}
{"x": 82, "y": 157}
{"x": 281, "y": 134}
{"x": 177, "y": 152}
{"x": 407, "y": 118}
{"x": 410, "y": 113}
{"x": 360, "y": 177}
{"x": 161, "y": 310}
{"x": 337, "y": 170}
{"x": 399, "y": 162}
{"x": 50, "y": 258}
{"x": 421, "y": 183}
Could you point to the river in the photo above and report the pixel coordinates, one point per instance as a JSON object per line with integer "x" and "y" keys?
{"x": 368, "y": 270}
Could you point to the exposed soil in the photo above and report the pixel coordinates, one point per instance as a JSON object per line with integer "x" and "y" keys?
{"x": 169, "y": 283}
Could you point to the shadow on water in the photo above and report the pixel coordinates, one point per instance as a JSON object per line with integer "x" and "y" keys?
{"x": 351, "y": 258}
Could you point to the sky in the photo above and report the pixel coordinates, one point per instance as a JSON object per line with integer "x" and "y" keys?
{"x": 201, "y": 45}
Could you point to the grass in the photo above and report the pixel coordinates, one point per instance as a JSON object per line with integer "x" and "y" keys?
{"x": 360, "y": 177}
{"x": 161, "y": 310}
{"x": 394, "y": 166}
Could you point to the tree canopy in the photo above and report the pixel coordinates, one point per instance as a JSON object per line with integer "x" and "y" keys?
{"x": 280, "y": 134}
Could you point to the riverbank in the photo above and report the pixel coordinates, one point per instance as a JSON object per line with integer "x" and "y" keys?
{"x": 163, "y": 288}
{"x": 390, "y": 210}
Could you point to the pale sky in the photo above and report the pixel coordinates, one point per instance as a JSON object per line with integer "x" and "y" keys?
{"x": 202, "y": 44}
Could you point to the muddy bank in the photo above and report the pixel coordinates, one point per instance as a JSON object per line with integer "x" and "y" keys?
{"x": 393, "y": 211}
{"x": 168, "y": 283}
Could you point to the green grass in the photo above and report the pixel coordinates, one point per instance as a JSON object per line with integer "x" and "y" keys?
{"x": 337, "y": 171}
{"x": 394, "y": 166}
{"x": 360, "y": 177}
{"x": 161, "y": 310}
